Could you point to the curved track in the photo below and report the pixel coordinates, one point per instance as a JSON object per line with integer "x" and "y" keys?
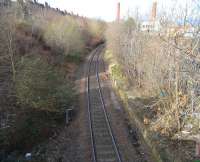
{"x": 104, "y": 147}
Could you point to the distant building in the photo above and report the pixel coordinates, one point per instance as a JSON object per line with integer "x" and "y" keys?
{"x": 152, "y": 25}
{"x": 154, "y": 12}
{"x": 186, "y": 31}
{"x": 118, "y": 12}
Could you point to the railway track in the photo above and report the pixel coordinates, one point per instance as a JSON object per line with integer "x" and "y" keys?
{"x": 104, "y": 147}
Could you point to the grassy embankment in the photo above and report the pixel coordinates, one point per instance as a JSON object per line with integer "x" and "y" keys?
{"x": 40, "y": 54}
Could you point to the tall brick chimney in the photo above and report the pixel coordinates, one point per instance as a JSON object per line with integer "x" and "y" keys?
{"x": 154, "y": 11}
{"x": 118, "y": 12}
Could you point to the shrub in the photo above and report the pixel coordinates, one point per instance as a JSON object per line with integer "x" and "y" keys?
{"x": 65, "y": 35}
{"x": 158, "y": 65}
{"x": 75, "y": 57}
{"x": 40, "y": 86}
{"x": 97, "y": 28}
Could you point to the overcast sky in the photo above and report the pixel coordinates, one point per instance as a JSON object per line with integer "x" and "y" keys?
{"x": 106, "y": 9}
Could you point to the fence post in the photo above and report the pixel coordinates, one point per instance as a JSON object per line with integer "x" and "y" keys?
{"x": 197, "y": 149}
{"x": 67, "y": 116}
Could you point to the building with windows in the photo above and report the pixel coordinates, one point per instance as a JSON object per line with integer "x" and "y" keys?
{"x": 151, "y": 25}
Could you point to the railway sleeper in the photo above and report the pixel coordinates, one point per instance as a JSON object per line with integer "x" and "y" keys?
{"x": 103, "y": 140}
{"x": 113, "y": 159}
{"x": 104, "y": 147}
{"x": 106, "y": 155}
{"x": 102, "y": 134}
{"x": 99, "y": 124}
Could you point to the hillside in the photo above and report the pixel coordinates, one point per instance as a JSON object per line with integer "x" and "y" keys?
{"x": 40, "y": 50}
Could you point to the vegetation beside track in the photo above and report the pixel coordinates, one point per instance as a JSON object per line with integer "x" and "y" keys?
{"x": 40, "y": 51}
{"x": 140, "y": 76}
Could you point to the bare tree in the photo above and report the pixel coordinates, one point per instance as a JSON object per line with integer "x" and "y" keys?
{"x": 164, "y": 64}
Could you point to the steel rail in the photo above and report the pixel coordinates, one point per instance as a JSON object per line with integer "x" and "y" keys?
{"x": 89, "y": 108}
{"x": 105, "y": 113}
{"x": 97, "y": 53}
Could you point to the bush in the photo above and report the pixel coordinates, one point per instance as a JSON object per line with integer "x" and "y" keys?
{"x": 24, "y": 26}
{"x": 97, "y": 28}
{"x": 75, "y": 57}
{"x": 65, "y": 35}
{"x": 31, "y": 128}
{"x": 40, "y": 86}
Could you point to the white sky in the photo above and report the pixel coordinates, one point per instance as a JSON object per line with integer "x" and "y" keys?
{"x": 106, "y": 9}
{"x": 103, "y": 9}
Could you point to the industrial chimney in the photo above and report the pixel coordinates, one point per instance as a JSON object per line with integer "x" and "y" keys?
{"x": 154, "y": 11}
{"x": 118, "y": 11}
